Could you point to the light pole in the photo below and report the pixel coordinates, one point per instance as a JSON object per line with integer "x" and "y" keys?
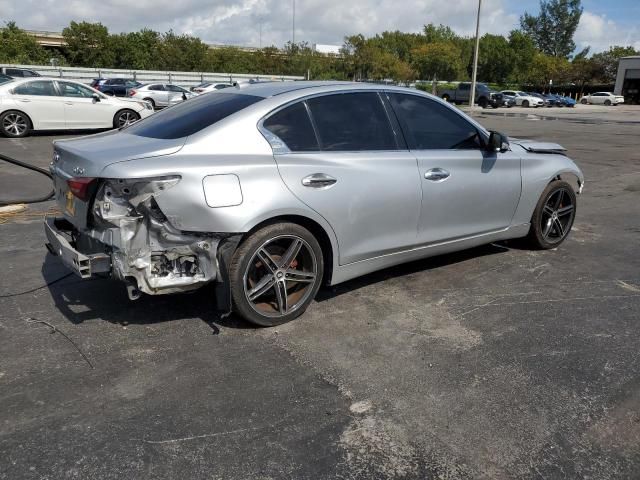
{"x": 472, "y": 96}
{"x": 293, "y": 25}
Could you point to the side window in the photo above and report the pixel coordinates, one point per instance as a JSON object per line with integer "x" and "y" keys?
{"x": 117, "y": 81}
{"x": 293, "y": 126}
{"x": 15, "y": 73}
{"x": 175, "y": 88}
{"x": 157, "y": 87}
{"x": 74, "y": 90}
{"x": 38, "y": 87}
{"x": 464, "y": 86}
{"x": 352, "y": 122}
{"x": 427, "y": 125}
{"x": 30, "y": 73}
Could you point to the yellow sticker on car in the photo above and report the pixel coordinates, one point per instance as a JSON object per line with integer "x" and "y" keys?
{"x": 71, "y": 206}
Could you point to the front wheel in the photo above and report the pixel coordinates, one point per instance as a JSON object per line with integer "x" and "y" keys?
{"x": 553, "y": 216}
{"x": 607, "y": 103}
{"x": 124, "y": 118}
{"x": 483, "y": 103}
{"x": 525, "y": 103}
{"x": 584, "y": 101}
{"x": 275, "y": 274}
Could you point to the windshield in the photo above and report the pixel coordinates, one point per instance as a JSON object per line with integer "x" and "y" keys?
{"x": 190, "y": 117}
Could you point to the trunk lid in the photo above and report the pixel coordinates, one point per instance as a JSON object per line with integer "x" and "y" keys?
{"x": 88, "y": 157}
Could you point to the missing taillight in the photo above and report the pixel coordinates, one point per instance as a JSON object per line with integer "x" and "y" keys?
{"x": 81, "y": 187}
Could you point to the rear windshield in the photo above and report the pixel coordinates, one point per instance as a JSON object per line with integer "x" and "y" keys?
{"x": 192, "y": 115}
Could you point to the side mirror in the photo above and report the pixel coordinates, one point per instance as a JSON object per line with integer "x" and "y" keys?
{"x": 96, "y": 97}
{"x": 497, "y": 142}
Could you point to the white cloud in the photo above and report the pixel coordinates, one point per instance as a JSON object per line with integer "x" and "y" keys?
{"x": 237, "y": 21}
{"x": 600, "y": 32}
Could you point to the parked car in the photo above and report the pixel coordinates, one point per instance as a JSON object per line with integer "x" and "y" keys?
{"x": 161, "y": 94}
{"x": 508, "y": 101}
{"x": 602, "y": 98}
{"x": 523, "y": 99}
{"x": 553, "y": 100}
{"x": 269, "y": 191}
{"x": 14, "y": 72}
{"x": 484, "y": 96}
{"x": 117, "y": 87}
{"x": 55, "y": 104}
{"x": 210, "y": 87}
{"x": 545, "y": 101}
{"x": 567, "y": 101}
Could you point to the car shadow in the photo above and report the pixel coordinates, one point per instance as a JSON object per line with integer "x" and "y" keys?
{"x": 105, "y": 299}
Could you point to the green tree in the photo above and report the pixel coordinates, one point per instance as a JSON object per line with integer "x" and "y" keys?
{"x": 553, "y": 28}
{"x": 181, "y": 52}
{"x": 608, "y": 61}
{"x": 496, "y": 59}
{"x": 88, "y": 45}
{"x": 136, "y": 50}
{"x": 523, "y": 50}
{"x": 440, "y": 59}
{"x": 439, "y": 34}
{"x": 17, "y": 46}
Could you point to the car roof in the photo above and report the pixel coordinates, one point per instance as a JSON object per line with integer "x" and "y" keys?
{"x": 272, "y": 89}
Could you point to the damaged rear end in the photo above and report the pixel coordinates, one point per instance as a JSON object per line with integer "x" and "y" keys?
{"x": 114, "y": 227}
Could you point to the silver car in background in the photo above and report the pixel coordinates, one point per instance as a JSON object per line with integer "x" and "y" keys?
{"x": 161, "y": 94}
{"x": 269, "y": 191}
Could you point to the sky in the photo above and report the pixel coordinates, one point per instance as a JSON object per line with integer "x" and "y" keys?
{"x": 237, "y": 22}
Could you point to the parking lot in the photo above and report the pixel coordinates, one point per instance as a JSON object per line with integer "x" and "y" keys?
{"x": 497, "y": 362}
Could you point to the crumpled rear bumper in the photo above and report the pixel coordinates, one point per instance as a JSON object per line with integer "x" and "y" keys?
{"x": 57, "y": 231}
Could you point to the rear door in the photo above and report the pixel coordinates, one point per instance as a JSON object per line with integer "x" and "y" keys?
{"x": 341, "y": 157}
{"x": 81, "y": 110}
{"x": 466, "y": 190}
{"x": 40, "y": 100}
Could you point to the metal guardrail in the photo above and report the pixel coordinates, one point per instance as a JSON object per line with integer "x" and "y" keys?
{"x": 146, "y": 76}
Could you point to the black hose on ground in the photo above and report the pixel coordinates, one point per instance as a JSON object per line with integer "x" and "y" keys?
{"x": 48, "y": 196}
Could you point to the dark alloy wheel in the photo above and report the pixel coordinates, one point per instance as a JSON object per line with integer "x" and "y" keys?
{"x": 275, "y": 274}
{"x": 15, "y": 124}
{"x": 124, "y": 118}
{"x": 553, "y": 217}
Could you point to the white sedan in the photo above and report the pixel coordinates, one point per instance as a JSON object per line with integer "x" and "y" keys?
{"x": 161, "y": 94}
{"x": 524, "y": 100}
{"x": 54, "y": 104}
{"x": 602, "y": 98}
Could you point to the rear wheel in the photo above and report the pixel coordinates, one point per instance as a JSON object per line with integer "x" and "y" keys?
{"x": 150, "y": 100}
{"x": 275, "y": 274}
{"x": 15, "y": 124}
{"x": 607, "y": 103}
{"x": 525, "y": 103}
{"x": 584, "y": 101}
{"x": 553, "y": 217}
{"x": 125, "y": 118}
{"x": 483, "y": 102}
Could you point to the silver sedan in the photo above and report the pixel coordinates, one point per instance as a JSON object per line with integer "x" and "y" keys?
{"x": 268, "y": 192}
{"x": 161, "y": 94}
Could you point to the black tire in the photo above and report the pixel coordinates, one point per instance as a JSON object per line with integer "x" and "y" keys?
{"x": 549, "y": 229}
{"x": 125, "y": 118}
{"x": 15, "y": 124}
{"x": 525, "y": 103}
{"x": 483, "y": 102}
{"x": 446, "y": 98}
{"x": 247, "y": 269}
{"x": 151, "y": 101}
{"x": 607, "y": 103}
{"x": 584, "y": 101}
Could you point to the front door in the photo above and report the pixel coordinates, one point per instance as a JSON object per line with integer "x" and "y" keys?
{"x": 342, "y": 159}
{"x": 466, "y": 190}
{"x": 81, "y": 110}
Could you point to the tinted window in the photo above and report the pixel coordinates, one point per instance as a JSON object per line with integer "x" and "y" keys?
{"x": 221, "y": 86}
{"x": 175, "y": 88}
{"x": 40, "y": 87}
{"x": 190, "y": 117}
{"x": 31, "y": 73}
{"x": 156, "y": 87}
{"x": 14, "y": 73}
{"x": 74, "y": 90}
{"x": 293, "y": 126}
{"x": 352, "y": 122}
{"x": 428, "y": 125}
{"x": 464, "y": 86}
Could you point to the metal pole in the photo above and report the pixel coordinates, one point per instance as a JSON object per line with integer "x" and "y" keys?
{"x": 293, "y": 25}
{"x": 472, "y": 96}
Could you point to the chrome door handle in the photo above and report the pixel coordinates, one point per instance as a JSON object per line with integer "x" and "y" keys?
{"x": 318, "y": 180}
{"x": 436, "y": 174}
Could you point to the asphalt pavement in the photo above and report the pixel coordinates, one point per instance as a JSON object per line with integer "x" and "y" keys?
{"x": 498, "y": 362}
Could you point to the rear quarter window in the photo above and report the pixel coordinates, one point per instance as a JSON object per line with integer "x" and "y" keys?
{"x": 191, "y": 116}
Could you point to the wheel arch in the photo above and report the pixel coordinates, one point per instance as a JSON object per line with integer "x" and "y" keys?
{"x": 31, "y": 124}
{"x": 325, "y": 239}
